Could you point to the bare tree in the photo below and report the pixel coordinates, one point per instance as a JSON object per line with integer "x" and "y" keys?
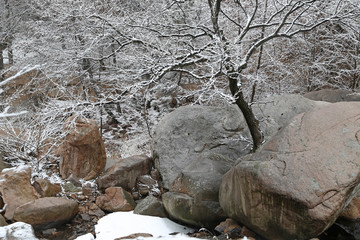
{"x": 116, "y": 63}
{"x": 223, "y": 47}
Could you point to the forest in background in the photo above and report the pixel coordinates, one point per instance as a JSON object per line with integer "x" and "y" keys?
{"x": 126, "y": 63}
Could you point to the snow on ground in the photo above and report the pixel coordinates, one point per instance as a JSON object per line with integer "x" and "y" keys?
{"x": 18, "y": 231}
{"x": 122, "y": 224}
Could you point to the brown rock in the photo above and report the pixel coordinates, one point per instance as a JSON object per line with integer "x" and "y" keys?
{"x": 225, "y": 225}
{"x": 247, "y": 232}
{"x": 125, "y": 172}
{"x": 16, "y": 189}
{"x": 299, "y": 182}
{"x": 135, "y": 235}
{"x": 46, "y": 189}
{"x": 352, "y": 211}
{"x": 83, "y": 152}
{"x": 94, "y": 210}
{"x": 116, "y": 199}
{"x": 46, "y": 212}
{"x": 2, "y": 221}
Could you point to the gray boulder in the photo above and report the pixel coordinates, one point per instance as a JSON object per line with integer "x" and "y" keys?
{"x": 296, "y": 186}
{"x": 276, "y": 112}
{"x": 190, "y": 132}
{"x": 150, "y": 206}
{"x": 193, "y": 147}
{"x": 333, "y": 95}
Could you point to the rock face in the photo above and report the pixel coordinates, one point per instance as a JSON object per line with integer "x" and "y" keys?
{"x": 46, "y": 212}
{"x": 124, "y": 172}
{"x": 16, "y": 189}
{"x": 116, "y": 199}
{"x": 193, "y": 147}
{"x": 83, "y": 152}
{"x": 300, "y": 181}
{"x": 188, "y": 133}
{"x": 332, "y": 95}
{"x": 275, "y": 112}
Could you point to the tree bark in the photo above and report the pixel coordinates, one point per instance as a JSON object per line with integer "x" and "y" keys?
{"x": 251, "y": 120}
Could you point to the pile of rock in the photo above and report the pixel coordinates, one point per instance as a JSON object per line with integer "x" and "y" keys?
{"x": 202, "y": 173}
{"x": 23, "y": 203}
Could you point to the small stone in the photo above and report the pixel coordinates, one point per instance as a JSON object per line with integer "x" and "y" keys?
{"x": 150, "y": 206}
{"x": 2, "y": 221}
{"x": 87, "y": 191}
{"x": 155, "y": 174}
{"x": 136, "y": 195}
{"x": 135, "y": 235}
{"x": 116, "y": 199}
{"x": 352, "y": 211}
{"x": 94, "y": 210}
{"x": 247, "y": 232}
{"x": 85, "y": 217}
{"x": 46, "y": 189}
{"x": 49, "y": 231}
{"x": 82, "y": 198}
{"x": 70, "y": 187}
{"x": 224, "y": 225}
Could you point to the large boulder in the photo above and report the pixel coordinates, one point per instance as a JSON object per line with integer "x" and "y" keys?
{"x": 333, "y": 95}
{"x": 83, "y": 151}
{"x": 125, "y": 172}
{"x": 16, "y": 189}
{"x": 46, "y": 212}
{"x": 188, "y": 133}
{"x": 193, "y": 147}
{"x": 275, "y": 112}
{"x": 296, "y": 186}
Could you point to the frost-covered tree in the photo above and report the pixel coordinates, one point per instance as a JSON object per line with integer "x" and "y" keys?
{"x": 218, "y": 43}
{"x": 122, "y": 62}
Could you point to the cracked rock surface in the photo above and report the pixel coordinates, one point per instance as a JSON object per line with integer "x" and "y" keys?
{"x": 300, "y": 181}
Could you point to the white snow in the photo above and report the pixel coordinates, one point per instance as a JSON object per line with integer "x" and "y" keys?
{"x": 20, "y": 168}
{"x": 6, "y": 114}
{"x": 18, "y": 231}
{"x": 122, "y": 224}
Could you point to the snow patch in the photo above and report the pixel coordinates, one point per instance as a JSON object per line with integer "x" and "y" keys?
{"x": 122, "y": 224}
{"x": 18, "y": 231}
{"x": 20, "y": 168}
{"x": 6, "y": 114}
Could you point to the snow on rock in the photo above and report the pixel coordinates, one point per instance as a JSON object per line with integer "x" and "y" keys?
{"x": 18, "y": 231}
{"x": 122, "y": 224}
{"x": 18, "y": 169}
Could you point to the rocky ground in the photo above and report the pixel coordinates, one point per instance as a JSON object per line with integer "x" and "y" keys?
{"x": 302, "y": 161}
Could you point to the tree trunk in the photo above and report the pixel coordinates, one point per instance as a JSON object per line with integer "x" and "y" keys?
{"x": 1, "y": 65}
{"x": 1, "y": 60}
{"x": 10, "y": 54}
{"x": 249, "y": 116}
